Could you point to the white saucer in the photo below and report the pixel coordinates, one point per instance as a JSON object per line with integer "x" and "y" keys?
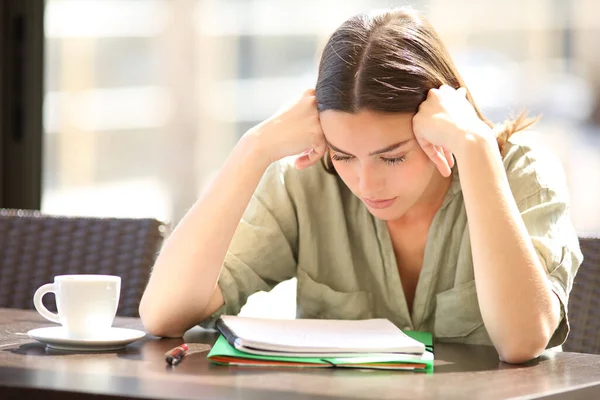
{"x": 56, "y": 337}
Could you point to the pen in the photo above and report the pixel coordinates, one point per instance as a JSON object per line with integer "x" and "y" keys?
{"x": 174, "y": 356}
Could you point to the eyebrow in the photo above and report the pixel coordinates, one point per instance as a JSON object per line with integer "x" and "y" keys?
{"x": 376, "y": 152}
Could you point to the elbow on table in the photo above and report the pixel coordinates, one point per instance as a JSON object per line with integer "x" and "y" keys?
{"x": 523, "y": 350}
{"x": 517, "y": 356}
{"x": 156, "y": 325}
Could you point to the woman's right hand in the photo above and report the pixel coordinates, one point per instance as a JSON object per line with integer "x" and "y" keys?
{"x": 294, "y": 130}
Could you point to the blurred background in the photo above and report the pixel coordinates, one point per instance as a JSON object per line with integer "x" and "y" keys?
{"x": 144, "y": 99}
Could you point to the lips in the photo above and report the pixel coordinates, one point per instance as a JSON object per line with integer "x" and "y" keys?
{"x": 379, "y": 204}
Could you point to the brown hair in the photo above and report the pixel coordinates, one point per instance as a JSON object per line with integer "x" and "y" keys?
{"x": 387, "y": 61}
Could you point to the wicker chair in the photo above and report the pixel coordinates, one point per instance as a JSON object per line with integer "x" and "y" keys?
{"x": 584, "y": 302}
{"x": 36, "y": 247}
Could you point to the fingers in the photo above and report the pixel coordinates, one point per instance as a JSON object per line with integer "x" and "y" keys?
{"x": 438, "y": 156}
{"x": 432, "y": 92}
{"x": 447, "y": 88}
{"x": 311, "y": 156}
{"x": 303, "y": 161}
{"x": 306, "y": 160}
{"x": 318, "y": 151}
{"x": 449, "y": 158}
{"x": 441, "y": 164}
{"x": 461, "y": 91}
{"x": 441, "y": 161}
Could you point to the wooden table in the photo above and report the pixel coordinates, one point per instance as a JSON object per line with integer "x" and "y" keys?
{"x": 28, "y": 370}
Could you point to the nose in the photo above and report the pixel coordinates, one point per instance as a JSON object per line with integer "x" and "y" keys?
{"x": 371, "y": 180}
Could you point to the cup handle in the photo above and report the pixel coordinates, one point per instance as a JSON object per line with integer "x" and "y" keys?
{"x": 39, "y": 306}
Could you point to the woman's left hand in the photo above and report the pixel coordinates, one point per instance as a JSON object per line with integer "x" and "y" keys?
{"x": 444, "y": 120}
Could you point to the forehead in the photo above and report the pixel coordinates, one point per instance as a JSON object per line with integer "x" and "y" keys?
{"x": 366, "y": 128}
{"x": 365, "y": 122}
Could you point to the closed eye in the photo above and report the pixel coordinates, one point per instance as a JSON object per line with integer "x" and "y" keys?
{"x": 336, "y": 157}
{"x": 393, "y": 161}
{"x": 388, "y": 161}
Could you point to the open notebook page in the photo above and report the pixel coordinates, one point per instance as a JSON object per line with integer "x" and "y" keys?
{"x": 317, "y": 335}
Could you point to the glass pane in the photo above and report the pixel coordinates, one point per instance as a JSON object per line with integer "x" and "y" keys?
{"x": 109, "y": 109}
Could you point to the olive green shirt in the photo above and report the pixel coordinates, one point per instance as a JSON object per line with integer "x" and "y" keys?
{"x": 308, "y": 224}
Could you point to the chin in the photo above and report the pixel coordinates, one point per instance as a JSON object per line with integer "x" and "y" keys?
{"x": 387, "y": 214}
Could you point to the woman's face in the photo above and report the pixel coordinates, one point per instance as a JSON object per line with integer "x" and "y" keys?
{"x": 377, "y": 156}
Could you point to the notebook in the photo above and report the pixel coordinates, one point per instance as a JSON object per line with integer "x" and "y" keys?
{"x": 322, "y": 337}
{"x": 373, "y": 344}
{"x": 224, "y": 354}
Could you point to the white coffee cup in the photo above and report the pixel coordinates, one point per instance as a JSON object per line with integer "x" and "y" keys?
{"x": 86, "y": 304}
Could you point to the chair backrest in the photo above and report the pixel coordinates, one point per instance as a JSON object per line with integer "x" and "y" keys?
{"x": 35, "y": 247}
{"x": 584, "y": 301}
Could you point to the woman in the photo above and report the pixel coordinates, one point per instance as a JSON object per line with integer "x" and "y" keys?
{"x": 387, "y": 225}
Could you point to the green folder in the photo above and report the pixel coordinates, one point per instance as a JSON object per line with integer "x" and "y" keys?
{"x": 424, "y": 337}
{"x": 224, "y": 354}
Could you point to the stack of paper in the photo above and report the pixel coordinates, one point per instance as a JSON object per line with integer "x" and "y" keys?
{"x": 373, "y": 343}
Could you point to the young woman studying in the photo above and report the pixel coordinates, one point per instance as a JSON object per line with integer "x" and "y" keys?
{"x": 402, "y": 202}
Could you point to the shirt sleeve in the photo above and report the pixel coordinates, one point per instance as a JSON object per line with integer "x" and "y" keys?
{"x": 263, "y": 251}
{"x": 540, "y": 190}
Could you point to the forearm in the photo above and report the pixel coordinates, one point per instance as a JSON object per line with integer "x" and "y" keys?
{"x": 518, "y": 307}
{"x": 187, "y": 269}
